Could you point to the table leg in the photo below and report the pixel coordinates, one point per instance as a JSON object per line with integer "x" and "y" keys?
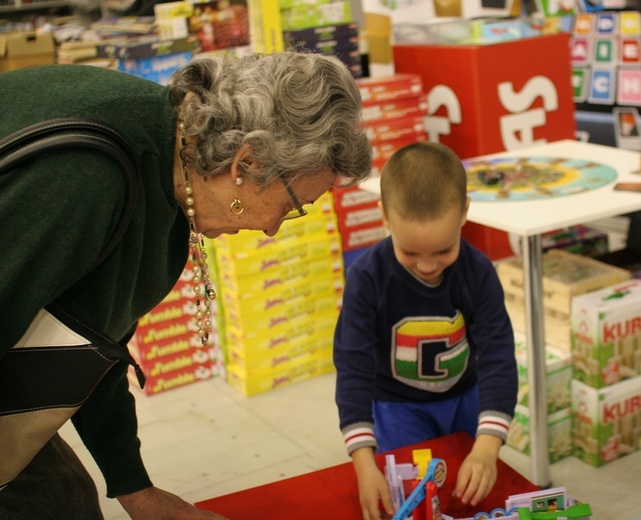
{"x": 537, "y": 377}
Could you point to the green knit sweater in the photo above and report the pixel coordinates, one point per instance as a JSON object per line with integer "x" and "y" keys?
{"x": 59, "y": 210}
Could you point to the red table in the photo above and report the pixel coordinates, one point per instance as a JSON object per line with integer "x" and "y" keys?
{"x": 332, "y": 493}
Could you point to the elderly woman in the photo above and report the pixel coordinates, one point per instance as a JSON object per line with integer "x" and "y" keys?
{"x": 230, "y": 144}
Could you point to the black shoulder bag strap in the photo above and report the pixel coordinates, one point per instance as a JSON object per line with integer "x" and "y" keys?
{"x": 68, "y": 133}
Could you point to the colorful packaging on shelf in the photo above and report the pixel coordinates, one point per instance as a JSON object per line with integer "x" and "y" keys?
{"x": 558, "y": 376}
{"x": 398, "y": 86}
{"x": 606, "y": 334}
{"x": 607, "y": 421}
{"x": 559, "y": 433}
{"x": 278, "y": 378}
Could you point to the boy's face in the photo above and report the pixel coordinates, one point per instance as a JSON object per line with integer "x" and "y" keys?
{"x": 428, "y": 247}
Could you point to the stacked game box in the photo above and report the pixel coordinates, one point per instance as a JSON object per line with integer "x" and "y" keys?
{"x": 606, "y": 334}
{"x": 340, "y": 40}
{"x": 394, "y": 108}
{"x": 150, "y": 56}
{"x": 360, "y": 218}
{"x": 166, "y": 345}
{"x": 559, "y": 402}
{"x": 280, "y": 301}
{"x": 303, "y": 14}
{"x": 565, "y": 275}
{"x": 606, "y": 389}
{"x": 607, "y": 421}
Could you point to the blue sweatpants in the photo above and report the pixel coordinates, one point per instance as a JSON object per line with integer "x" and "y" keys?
{"x": 401, "y": 424}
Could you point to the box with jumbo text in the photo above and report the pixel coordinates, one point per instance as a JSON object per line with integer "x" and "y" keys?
{"x": 278, "y": 378}
{"x": 285, "y": 356}
{"x": 607, "y": 421}
{"x": 312, "y": 247}
{"x": 292, "y": 231}
{"x": 606, "y": 334}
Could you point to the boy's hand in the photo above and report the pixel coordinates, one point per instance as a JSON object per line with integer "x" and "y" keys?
{"x": 373, "y": 488}
{"x": 477, "y": 475}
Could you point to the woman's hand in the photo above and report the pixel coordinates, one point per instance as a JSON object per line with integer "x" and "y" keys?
{"x": 477, "y": 475}
{"x": 373, "y": 488}
{"x": 161, "y": 505}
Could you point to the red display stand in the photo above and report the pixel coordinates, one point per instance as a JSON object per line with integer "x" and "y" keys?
{"x": 491, "y": 98}
{"x": 333, "y": 492}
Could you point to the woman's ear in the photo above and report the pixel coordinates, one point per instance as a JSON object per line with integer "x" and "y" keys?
{"x": 243, "y": 162}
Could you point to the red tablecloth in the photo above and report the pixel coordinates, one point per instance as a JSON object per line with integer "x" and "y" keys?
{"x": 331, "y": 494}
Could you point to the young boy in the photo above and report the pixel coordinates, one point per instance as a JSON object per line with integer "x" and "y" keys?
{"x": 424, "y": 346}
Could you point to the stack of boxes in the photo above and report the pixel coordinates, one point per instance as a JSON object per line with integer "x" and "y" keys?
{"x": 166, "y": 345}
{"x": 280, "y": 301}
{"x": 559, "y": 402}
{"x": 341, "y": 40}
{"x": 394, "y": 109}
{"x": 594, "y": 377}
{"x": 303, "y": 14}
{"x": 149, "y": 56}
{"x": 606, "y": 390}
{"x": 565, "y": 275}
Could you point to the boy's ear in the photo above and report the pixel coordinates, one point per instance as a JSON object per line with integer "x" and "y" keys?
{"x": 467, "y": 207}
{"x": 385, "y": 222}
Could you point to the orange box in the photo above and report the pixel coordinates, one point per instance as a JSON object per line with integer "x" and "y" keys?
{"x": 405, "y": 127}
{"x": 398, "y": 86}
{"x": 481, "y": 103}
{"x": 395, "y": 108}
{"x": 365, "y": 214}
{"x": 346, "y": 199}
{"x": 362, "y": 236}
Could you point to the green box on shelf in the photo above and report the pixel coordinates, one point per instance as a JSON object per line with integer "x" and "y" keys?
{"x": 315, "y": 15}
{"x": 558, "y": 371}
{"x": 559, "y": 433}
{"x": 606, "y": 334}
{"x": 606, "y": 421}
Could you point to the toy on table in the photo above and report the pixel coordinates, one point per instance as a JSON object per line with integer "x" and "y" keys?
{"x": 427, "y": 473}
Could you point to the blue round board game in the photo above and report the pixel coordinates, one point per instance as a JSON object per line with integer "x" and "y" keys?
{"x": 530, "y": 178}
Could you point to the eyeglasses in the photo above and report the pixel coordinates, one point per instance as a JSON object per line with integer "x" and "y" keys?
{"x": 298, "y": 210}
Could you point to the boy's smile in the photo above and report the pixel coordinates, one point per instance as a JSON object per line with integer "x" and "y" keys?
{"x": 426, "y": 248}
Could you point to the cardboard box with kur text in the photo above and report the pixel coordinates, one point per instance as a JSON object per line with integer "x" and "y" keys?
{"x": 606, "y": 334}
{"x": 607, "y": 421}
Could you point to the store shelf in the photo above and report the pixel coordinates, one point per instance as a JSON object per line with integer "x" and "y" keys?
{"x": 33, "y": 6}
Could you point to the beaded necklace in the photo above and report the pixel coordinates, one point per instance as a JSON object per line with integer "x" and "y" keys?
{"x": 203, "y": 287}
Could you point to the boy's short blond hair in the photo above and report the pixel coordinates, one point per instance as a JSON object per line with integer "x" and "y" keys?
{"x": 422, "y": 181}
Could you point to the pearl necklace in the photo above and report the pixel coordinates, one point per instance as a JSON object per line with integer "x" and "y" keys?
{"x": 203, "y": 287}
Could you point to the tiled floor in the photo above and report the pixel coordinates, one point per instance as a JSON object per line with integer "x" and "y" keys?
{"x": 207, "y": 440}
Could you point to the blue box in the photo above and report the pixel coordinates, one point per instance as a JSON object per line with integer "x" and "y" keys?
{"x": 157, "y": 68}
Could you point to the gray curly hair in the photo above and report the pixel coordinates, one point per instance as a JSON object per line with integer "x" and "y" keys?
{"x": 299, "y": 114}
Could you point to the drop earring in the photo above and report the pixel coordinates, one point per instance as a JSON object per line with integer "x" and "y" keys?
{"x": 236, "y": 207}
